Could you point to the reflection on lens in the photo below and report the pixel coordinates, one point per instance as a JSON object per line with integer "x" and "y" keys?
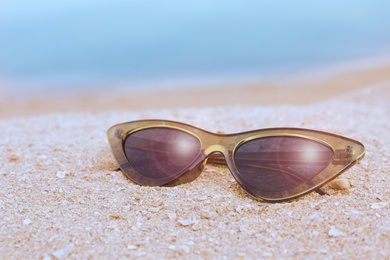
{"x": 278, "y": 163}
{"x": 159, "y": 153}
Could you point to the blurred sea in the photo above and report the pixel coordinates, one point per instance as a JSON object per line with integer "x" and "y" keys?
{"x": 74, "y": 43}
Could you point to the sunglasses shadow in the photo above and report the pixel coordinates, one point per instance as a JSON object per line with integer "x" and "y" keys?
{"x": 105, "y": 161}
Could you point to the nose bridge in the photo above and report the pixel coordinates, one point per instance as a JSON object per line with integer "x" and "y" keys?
{"x": 217, "y": 145}
{"x": 215, "y": 148}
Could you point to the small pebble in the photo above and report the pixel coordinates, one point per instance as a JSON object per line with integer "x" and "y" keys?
{"x": 154, "y": 210}
{"x": 27, "y": 221}
{"x": 314, "y": 216}
{"x": 62, "y": 253}
{"x": 197, "y": 226}
{"x": 334, "y": 232}
{"x": 14, "y": 158}
{"x": 131, "y": 247}
{"x": 186, "y": 222}
{"x": 171, "y": 216}
{"x": 379, "y": 205}
{"x": 340, "y": 184}
{"x": 61, "y": 174}
{"x": 157, "y": 203}
{"x": 46, "y": 257}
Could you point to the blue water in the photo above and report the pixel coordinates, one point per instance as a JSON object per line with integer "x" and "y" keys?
{"x": 72, "y": 42}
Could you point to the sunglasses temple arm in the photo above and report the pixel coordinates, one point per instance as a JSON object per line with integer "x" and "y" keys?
{"x": 321, "y": 191}
{"x": 216, "y": 158}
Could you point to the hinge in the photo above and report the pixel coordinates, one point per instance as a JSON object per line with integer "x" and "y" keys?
{"x": 343, "y": 156}
{"x": 118, "y": 133}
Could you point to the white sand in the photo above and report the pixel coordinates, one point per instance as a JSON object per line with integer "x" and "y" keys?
{"x": 61, "y": 198}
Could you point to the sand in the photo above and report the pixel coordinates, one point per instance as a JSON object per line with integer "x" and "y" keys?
{"x": 309, "y": 87}
{"x": 61, "y": 197}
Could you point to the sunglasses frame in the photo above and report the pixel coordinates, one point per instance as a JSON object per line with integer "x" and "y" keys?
{"x": 346, "y": 153}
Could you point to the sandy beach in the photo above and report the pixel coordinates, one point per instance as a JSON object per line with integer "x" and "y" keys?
{"x": 306, "y": 88}
{"x": 62, "y": 198}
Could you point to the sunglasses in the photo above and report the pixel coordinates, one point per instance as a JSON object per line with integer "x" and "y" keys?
{"x": 271, "y": 164}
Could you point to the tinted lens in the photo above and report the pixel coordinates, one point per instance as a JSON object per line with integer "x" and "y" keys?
{"x": 274, "y": 164}
{"x": 161, "y": 153}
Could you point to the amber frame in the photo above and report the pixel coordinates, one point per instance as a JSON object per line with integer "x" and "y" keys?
{"x": 347, "y": 152}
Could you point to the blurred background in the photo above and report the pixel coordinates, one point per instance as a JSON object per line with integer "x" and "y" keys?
{"x": 49, "y": 46}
